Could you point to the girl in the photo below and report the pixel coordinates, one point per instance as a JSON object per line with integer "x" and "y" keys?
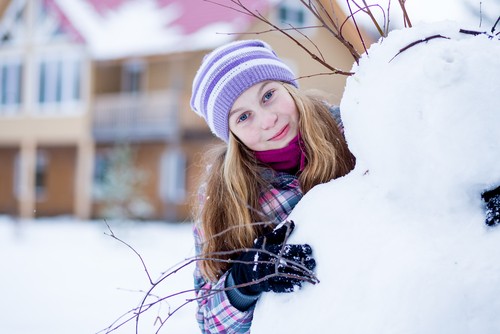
{"x": 279, "y": 143}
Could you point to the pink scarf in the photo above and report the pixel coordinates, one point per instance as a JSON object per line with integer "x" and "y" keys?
{"x": 290, "y": 158}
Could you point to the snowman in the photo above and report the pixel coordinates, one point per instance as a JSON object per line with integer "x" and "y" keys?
{"x": 401, "y": 242}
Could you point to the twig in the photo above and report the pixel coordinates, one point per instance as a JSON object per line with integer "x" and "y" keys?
{"x": 335, "y": 31}
{"x": 388, "y": 17}
{"x": 367, "y": 11}
{"x": 356, "y": 26}
{"x": 407, "y": 21}
{"x": 495, "y": 25}
{"x": 112, "y": 235}
{"x": 423, "y": 40}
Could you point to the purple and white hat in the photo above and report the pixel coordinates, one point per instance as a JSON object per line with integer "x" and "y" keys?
{"x": 226, "y": 73}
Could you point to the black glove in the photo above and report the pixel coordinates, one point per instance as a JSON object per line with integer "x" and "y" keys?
{"x": 274, "y": 265}
{"x": 492, "y": 200}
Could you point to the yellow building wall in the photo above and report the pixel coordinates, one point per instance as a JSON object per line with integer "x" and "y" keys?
{"x": 60, "y": 182}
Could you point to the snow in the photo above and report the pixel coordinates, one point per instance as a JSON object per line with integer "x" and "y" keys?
{"x": 140, "y": 21}
{"x": 66, "y": 276}
{"x": 467, "y": 12}
{"x": 138, "y": 28}
{"x": 400, "y": 242}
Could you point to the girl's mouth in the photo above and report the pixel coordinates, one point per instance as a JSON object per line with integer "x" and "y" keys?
{"x": 282, "y": 133}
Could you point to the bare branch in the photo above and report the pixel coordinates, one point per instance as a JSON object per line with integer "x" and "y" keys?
{"x": 423, "y": 40}
{"x": 370, "y": 15}
{"x": 112, "y": 235}
{"x": 334, "y": 30}
{"x": 495, "y": 25}
{"x": 304, "y": 274}
{"x": 407, "y": 21}
{"x": 241, "y": 8}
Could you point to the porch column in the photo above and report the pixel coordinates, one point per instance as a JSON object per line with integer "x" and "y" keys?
{"x": 27, "y": 169}
{"x": 84, "y": 179}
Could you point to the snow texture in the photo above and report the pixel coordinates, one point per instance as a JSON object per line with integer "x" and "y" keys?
{"x": 63, "y": 276}
{"x": 401, "y": 242}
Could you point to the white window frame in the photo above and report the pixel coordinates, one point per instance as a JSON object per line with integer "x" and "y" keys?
{"x": 11, "y": 94}
{"x": 293, "y": 7}
{"x": 60, "y": 88}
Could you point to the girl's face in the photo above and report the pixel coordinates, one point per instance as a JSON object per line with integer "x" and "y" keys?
{"x": 264, "y": 117}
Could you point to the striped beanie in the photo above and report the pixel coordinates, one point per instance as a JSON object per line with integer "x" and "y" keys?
{"x": 226, "y": 73}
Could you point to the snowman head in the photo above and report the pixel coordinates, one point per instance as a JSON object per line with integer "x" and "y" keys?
{"x": 430, "y": 118}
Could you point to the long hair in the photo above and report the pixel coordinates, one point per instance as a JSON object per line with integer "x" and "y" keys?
{"x": 230, "y": 209}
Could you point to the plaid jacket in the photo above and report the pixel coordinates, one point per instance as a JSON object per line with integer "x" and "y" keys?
{"x": 215, "y": 312}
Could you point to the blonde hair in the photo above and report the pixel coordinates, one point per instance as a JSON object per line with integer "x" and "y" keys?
{"x": 234, "y": 183}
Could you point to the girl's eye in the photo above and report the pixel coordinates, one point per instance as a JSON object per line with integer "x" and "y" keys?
{"x": 267, "y": 96}
{"x": 243, "y": 117}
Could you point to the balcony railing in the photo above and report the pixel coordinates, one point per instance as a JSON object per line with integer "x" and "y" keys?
{"x": 135, "y": 116}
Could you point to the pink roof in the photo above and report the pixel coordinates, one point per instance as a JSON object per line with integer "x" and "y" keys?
{"x": 121, "y": 28}
{"x": 197, "y": 13}
{"x": 200, "y": 13}
{"x": 64, "y": 20}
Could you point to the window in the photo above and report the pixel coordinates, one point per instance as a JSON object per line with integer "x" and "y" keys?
{"x": 10, "y": 86}
{"x": 173, "y": 176}
{"x": 293, "y": 13}
{"x": 132, "y": 76}
{"x": 59, "y": 80}
{"x": 41, "y": 168}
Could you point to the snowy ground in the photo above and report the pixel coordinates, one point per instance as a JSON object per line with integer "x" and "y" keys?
{"x": 64, "y": 276}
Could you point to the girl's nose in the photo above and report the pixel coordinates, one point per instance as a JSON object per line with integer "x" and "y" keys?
{"x": 268, "y": 119}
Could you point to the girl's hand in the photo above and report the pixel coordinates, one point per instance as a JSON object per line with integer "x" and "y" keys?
{"x": 492, "y": 200}
{"x": 274, "y": 265}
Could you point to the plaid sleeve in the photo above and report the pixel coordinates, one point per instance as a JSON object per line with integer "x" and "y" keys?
{"x": 215, "y": 313}
{"x": 281, "y": 197}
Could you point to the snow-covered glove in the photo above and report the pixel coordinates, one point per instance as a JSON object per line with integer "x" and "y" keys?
{"x": 272, "y": 265}
{"x": 492, "y": 200}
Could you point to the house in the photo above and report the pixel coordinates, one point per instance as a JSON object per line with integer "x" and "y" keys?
{"x": 94, "y": 100}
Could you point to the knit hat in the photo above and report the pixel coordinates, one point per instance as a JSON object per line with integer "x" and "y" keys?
{"x": 226, "y": 73}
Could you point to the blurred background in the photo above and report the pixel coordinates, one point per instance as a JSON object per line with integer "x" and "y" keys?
{"x": 95, "y": 119}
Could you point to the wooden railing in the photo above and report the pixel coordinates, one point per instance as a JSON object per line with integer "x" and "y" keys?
{"x": 135, "y": 116}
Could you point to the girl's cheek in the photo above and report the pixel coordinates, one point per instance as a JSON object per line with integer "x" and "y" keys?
{"x": 251, "y": 138}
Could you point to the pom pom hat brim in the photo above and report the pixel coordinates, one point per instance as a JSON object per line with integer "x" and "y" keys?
{"x": 227, "y": 72}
